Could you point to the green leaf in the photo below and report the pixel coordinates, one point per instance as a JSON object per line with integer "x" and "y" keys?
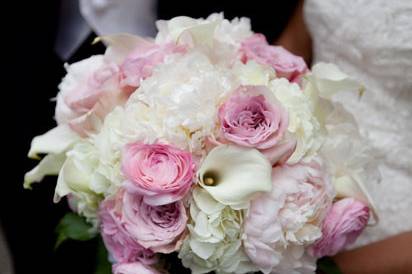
{"x": 327, "y": 266}
{"x": 74, "y": 227}
{"x": 103, "y": 266}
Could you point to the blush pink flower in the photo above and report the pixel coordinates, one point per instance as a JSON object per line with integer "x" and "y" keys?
{"x": 88, "y": 92}
{"x": 290, "y": 215}
{"x": 158, "y": 228}
{"x": 133, "y": 268}
{"x": 161, "y": 173}
{"x": 252, "y": 117}
{"x": 343, "y": 224}
{"x": 284, "y": 63}
{"x": 118, "y": 242}
{"x": 140, "y": 63}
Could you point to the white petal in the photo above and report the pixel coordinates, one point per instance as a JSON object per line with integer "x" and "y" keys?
{"x": 49, "y": 165}
{"x": 72, "y": 179}
{"x": 329, "y": 80}
{"x": 55, "y": 141}
{"x": 205, "y": 202}
{"x": 240, "y": 173}
{"x": 202, "y": 225}
{"x": 201, "y": 34}
{"x": 120, "y": 45}
{"x": 203, "y": 250}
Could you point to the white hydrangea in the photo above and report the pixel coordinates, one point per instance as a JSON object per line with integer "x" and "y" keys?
{"x": 214, "y": 242}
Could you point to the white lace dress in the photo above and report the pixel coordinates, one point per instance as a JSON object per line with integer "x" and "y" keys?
{"x": 372, "y": 41}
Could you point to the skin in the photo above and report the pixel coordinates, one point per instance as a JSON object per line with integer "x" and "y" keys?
{"x": 296, "y": 37}
{"x": 389, "y": 256}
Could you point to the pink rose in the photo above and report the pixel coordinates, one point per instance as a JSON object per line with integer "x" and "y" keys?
{"x": 133, "y": 268}
{"x": 252, "y": 117}
{"x": 159, "y": 228}
{"x": 117, "y": 240}
{"x": 88, "y": 92}
{"x": 140, "y": 63}
{"x": 344, "y": 222}
{"x": 282, "y": 61}
{"x": 161, "y": 173}
{"x": 299, "y": 200}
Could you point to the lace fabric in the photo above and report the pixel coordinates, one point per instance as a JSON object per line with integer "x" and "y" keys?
{"x": 372, "y": 41}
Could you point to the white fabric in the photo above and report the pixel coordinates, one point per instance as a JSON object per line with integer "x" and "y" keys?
{"x": 79, "y": 18}
{"x": 372, "y": 41}
{"x": 72, "y": 29}
{"x": 116, "y": 16}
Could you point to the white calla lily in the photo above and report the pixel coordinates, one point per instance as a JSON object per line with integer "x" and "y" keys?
{"x": 55, "y": 141}
{"x": 329, "y": 80}
{"x": 233, "y": 175}
{"x": 49, "y": 165}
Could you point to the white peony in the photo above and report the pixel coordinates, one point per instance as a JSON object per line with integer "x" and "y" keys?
{"x": 214, "y": 242}
{"x": 179, "y": 102}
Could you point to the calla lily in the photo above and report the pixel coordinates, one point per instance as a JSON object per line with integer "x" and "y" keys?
{"x": 55, "y": 141}
{"x": 329, "y": 80}
{"x": 49, "y": 165}
{"x": 233, "y": 175}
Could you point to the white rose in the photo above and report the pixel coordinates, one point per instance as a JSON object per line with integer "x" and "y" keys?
{"x": 303, "y": 124}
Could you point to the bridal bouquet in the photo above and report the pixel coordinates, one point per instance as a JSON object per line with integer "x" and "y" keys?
{"x": 209, "y": 142}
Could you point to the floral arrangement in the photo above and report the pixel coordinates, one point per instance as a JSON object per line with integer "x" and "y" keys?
{"x": 209, "y": 142}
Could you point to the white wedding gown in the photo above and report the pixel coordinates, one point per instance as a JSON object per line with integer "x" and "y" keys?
{"x": 372, "y": 41}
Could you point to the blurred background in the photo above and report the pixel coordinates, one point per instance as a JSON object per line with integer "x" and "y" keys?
{"x": 39, "y": 39}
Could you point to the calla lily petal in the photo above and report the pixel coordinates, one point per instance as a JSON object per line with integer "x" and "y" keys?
{"x": 233, "y": 175}
{"x": 329, "y": 80}
{"x": 49, "y": 165}
{"x": 55, "y": 141}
